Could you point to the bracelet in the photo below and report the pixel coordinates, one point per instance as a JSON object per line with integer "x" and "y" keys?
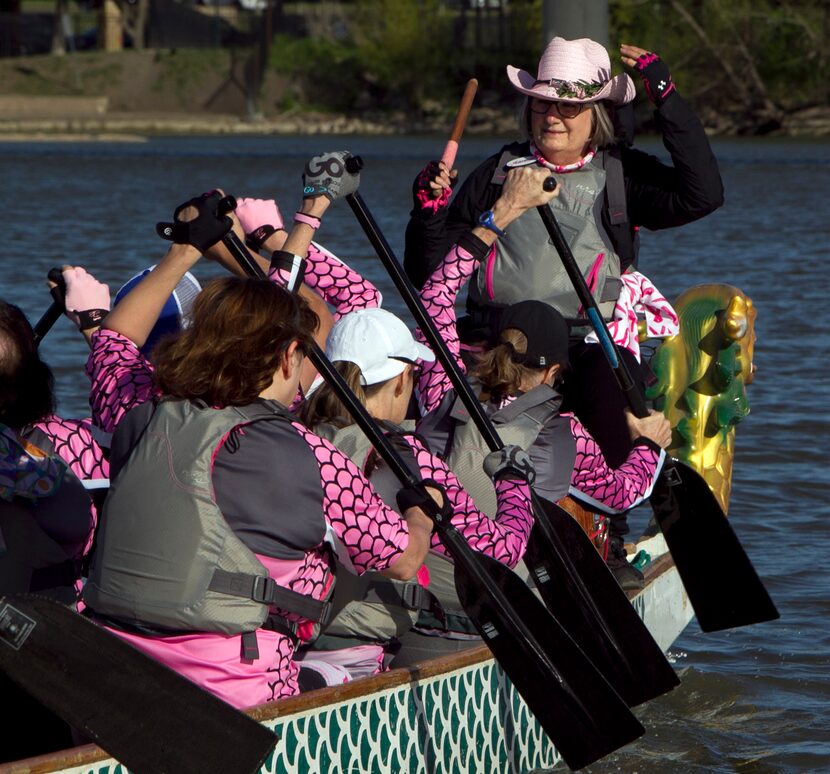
{"x": 486, "y": 220}
{"x": 308, "y": 220}
{"x": 258, "y": 237}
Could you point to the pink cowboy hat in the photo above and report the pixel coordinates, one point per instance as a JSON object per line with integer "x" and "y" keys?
{"x": 574, "y": 71}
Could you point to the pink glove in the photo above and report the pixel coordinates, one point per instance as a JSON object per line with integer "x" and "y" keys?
{"x": 87, "y": 300}
{"x": 253, "y": 213}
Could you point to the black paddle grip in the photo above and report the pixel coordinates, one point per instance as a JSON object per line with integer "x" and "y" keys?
{"x": 549, "y": 184}
{"x": 226, "y": 204}
{"x": 354, "y": 164}
{"x": 56, "y": 308}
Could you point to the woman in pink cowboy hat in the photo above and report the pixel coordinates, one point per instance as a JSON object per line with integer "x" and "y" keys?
{"x": 608, "y": 191}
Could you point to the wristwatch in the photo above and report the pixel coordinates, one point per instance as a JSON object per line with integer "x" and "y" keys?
{"x": 486, "y": 220}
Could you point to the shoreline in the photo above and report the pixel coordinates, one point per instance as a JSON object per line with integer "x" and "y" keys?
{"x": 139, "y": 126}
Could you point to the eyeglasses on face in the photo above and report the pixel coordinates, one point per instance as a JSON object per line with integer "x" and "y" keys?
{"x": 562, "y": 109}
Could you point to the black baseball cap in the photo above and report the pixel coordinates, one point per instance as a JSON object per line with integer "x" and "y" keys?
{"x": 545, "y": 329}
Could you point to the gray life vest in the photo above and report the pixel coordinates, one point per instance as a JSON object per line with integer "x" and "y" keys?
{"x": 531, "y": 421}
{"x": 166, "y": 559}
{"x": 371, "y": 607}
{"x": 526, "y": 264}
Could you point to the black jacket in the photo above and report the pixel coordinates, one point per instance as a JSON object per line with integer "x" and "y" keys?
{"x": 657, "y": 195}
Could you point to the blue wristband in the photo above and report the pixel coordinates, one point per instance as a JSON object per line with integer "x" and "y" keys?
{"x": 486, "y": 220}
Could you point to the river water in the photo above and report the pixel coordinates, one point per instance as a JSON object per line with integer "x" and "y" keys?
{"x": 752, "y": 700}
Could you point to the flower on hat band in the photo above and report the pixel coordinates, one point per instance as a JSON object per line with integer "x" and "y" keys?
{"x": 573, "y": 89}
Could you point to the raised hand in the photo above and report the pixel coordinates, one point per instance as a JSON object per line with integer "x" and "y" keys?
{"x": 327, "y": 175}
{"x": 87, "y": 300}
{"x": 200, "y": 222}
{"x": 653, "y": 70}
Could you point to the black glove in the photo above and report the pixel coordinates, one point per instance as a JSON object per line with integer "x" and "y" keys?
{"x": 512, "y": 463}
{"x": 209, "y": 226}
{"x": 656, "y": 77}
{"x": 422, "y": 191}
{"x": 327, "y": 175}
{"x": 416, "y": 496}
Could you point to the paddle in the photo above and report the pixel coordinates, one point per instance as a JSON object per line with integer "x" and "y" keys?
{"x": 578, "y": 709}
{"x": 723, "y": 587}
{"x": 460, "y": 122}
{"x": 574, "y": 581}
{"x": 56, "y": 308}
{"x": 142, "y": 713}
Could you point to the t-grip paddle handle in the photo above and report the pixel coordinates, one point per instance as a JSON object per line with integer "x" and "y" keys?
{"x": 354, "y": 164}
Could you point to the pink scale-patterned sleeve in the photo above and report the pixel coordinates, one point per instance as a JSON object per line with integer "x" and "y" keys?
{"x": 503, "y": 538}
{"x": 612, "y": 490}
{"x": 338, "y": 284}
{"x": 121, "y": 378}
{"x": 372, "y": 533}
{"x": 75, "y": 445}
{"x": 438, "y": 296}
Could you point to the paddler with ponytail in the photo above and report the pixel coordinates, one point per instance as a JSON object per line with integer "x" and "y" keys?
{"x": 518, "y": 380}
{"x": 214, "y": 554}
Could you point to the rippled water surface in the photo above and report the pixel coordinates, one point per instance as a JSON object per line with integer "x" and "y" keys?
{"x": 752, "y": 700}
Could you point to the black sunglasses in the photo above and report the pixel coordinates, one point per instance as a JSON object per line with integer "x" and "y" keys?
{"x": 563, "y": 109}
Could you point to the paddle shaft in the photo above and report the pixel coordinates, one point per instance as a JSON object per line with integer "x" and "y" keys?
{"x": 690, "y": 518}
{"x": 56, "y": 308}
{"x": 623, "y": 375}
{"x": 416, "y": 307}
{"x": 619, "y": 644}
{"x": 451, "y": 149}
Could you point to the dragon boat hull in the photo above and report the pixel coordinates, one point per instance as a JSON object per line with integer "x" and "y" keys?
{"x": 457, "y": 713}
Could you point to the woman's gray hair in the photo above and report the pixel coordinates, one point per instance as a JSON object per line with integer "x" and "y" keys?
{"x": 602, "y": 132}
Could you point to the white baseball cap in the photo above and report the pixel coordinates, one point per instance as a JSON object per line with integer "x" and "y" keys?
{"x": 377, "y": 342}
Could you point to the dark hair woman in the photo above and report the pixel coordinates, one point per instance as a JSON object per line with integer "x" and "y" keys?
{"x": 47, "y": 526}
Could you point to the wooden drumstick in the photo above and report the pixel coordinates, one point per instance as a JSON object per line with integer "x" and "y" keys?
{"x": 460, "y": 122}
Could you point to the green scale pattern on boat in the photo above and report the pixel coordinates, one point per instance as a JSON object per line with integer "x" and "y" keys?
{"x": 470, "y": 721}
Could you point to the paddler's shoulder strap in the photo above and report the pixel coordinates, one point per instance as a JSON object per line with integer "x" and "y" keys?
{"x": 615, "y": 185}
{"x": 539, "y": 404}
{"x": 515, "y": 154}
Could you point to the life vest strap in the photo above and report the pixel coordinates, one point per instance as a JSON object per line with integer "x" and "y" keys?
{"x": 265, "y": 590}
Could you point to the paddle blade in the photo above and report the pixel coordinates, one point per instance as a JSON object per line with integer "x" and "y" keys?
{"x": 582, "y": 594}
{"x": 723, "y": 587}
{"x": 142, "y": 713}
{"x": 579, "y": 711}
